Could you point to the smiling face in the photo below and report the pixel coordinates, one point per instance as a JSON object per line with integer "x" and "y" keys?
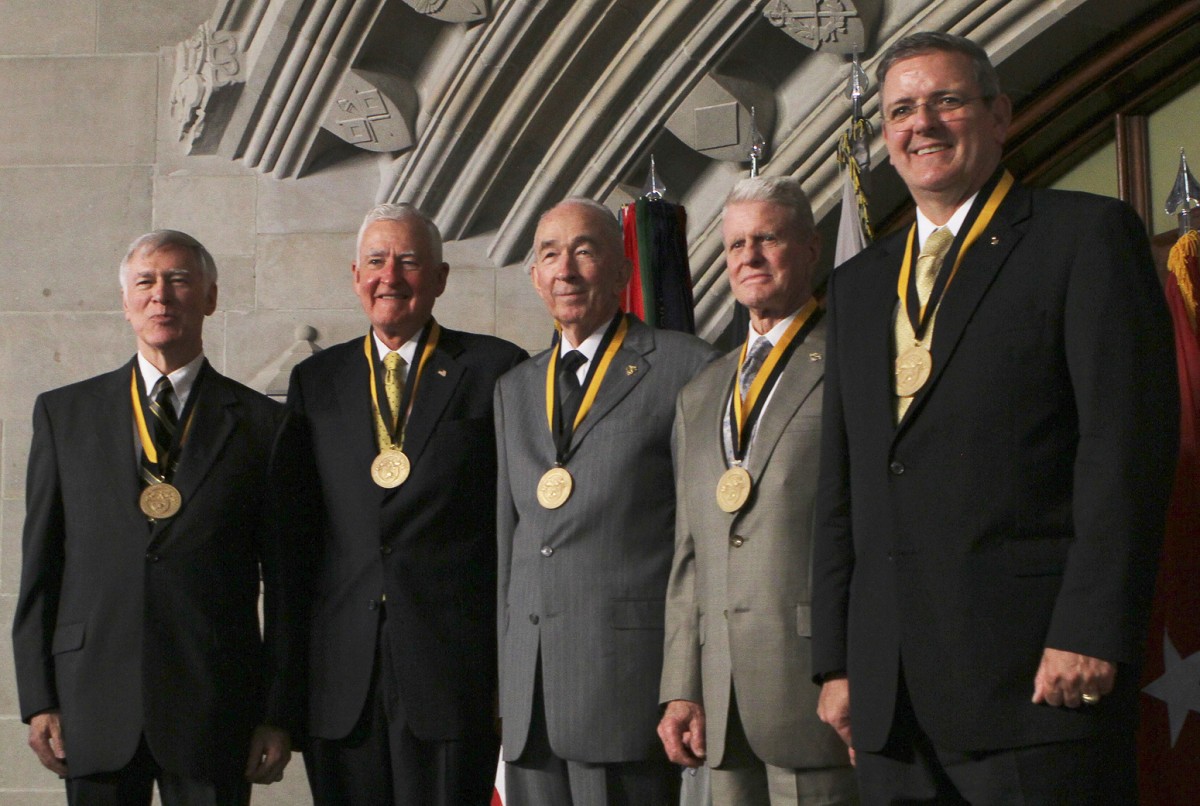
{"x": 396, "y": 278}
{"x": 943, "y": 162}
{"x": 770, "y": 259}
{"x": 165, "y": 298}
{"x": 580, "y": 269}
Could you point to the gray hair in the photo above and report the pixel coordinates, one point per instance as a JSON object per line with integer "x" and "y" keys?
{"x": 151, "y": 242}
{"x": 924, "y": 42}
{"x": 608, "y": 220}
{"x": 782, "y": 190}
{"x": 402, "y": 212}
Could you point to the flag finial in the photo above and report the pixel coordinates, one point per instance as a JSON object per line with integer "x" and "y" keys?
{"x": 758, "y": 144}
{"x": 654, "y": 189}
{"x": 1184, "y": 196}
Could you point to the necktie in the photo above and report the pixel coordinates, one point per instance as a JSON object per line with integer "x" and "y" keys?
{"x": 569, "y": 390}
{"x": 929, "y": 262}
{"x": 754, "y": 361}
{"x": 393, "y": 388}
{"x": 162, "y": 422}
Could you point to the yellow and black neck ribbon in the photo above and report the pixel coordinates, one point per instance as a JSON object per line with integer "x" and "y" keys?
{"x": 614, "y": 337}
{"x": 394, "y": 423}
{"x": 980, "y": 216}
{"x": 164, "y": 463}
{"x": 744, "y": 414}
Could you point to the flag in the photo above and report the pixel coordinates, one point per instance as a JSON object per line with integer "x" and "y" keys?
{"x": 660, "y": 287}
{"x": 498, "y": 794}
{"x": 854, "y": 225}
{"x": 1169, "y": 731}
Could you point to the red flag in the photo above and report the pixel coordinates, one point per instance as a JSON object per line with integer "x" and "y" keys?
{"x": 1169, "y": 734}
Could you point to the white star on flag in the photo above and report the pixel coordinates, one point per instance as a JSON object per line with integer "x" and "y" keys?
{"x": 1179, "y": 686}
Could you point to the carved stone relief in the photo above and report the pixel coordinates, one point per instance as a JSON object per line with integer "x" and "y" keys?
{"x": 714, "y": 118}
{"x": 373, "y": 110}
{"x": 452, "y": 10}
{"x": 833, "y": 26}
{"x": 207, "y": 61}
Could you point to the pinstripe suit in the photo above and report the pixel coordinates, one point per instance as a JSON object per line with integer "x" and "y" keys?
{"x": 583, "y": 585}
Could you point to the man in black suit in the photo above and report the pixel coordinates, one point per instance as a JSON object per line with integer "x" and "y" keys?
{"x": 396, "y": 428}
{"x": 999, "y": 440}
{"x": 148, "y": 527}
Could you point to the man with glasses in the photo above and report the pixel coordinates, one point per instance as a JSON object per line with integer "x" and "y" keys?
{"x": 991, "y": 504}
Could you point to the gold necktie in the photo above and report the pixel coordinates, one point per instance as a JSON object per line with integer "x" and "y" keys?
{"x": 929, "y": 263}
{"x": 393, "y": 387}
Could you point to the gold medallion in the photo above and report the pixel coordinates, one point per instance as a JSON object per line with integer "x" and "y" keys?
{"x": 555, "y": 487}
{"x": 913, "y": 367}
{"x": 159, "y": 501}
{"x": 733, "y": 489}
{"x": 390, "y": 468}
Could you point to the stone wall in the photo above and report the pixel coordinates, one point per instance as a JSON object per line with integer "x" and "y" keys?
{"x": 87, "y": 162}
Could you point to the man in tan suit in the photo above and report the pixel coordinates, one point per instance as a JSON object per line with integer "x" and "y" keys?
{"x": 736, "y": 677}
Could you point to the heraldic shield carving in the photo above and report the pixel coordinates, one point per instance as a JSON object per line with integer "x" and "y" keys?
{"x": 833, "y": 26}
{"x": 452, "y": 10}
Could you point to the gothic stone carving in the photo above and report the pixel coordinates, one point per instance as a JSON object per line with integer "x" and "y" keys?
{"x": 373, "y": 111}
{"x": 204, "y": 63}
{"x": 829, "y": 25}
{"x": 452, "y": 10}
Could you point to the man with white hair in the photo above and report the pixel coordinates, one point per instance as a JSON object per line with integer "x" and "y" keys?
{"x": 395, "y": 430}
{"x": 737, "y": 671}
{"x": 149, "y": 524}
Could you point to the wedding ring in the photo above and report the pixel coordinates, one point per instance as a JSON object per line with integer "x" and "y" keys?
{"x": 1091, "y": 699}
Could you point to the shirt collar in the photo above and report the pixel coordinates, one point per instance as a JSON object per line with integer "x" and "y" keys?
{"x": 925, "y": 226}
{"x": 589, "y": 346}
{"x": 408, "y": 350}
{"x": 774, "y": 334}
{"x": 181, "y": 379}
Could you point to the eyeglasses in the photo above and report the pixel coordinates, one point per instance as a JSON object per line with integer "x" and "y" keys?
{"x": 943, "y": 107}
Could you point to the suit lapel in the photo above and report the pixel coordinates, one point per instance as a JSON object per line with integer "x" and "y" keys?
{"x": 798, "y": 381}
{"x": 628, "y": 367}
{"x": 875, "y": 304}
{"x": 114, "y": 429}
{"x": 438, "y": 382}
{"x": 975, "y": 276}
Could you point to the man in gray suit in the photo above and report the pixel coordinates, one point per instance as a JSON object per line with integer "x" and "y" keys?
{"x": 736, "y": 676}
{"x": 586, "y": 510}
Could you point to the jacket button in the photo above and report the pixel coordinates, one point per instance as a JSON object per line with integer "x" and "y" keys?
{"x": 737, "y": 541}
{"x": 372, "y": 605}
{"x": 385, "y": 550}
{"x": 152, "y": 558}
{"x": 547, "y": 551}
{"x": 896, "y": 468}
{"x": 533, "y": 619}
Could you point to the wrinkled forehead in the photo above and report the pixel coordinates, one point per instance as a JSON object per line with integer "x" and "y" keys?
{"x": 162, "y": 259}
{"x": 930, "y": 72}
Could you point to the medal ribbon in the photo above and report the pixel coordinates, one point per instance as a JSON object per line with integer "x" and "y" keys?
{"x": 744, "y": 414}
{"x": 920, "y": 315}
{"x": 425, "y": 347}
{"x": 139, "y": 416}
{"x": 613, "y": 339}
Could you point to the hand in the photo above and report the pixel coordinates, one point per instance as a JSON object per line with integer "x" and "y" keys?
{"x": 1063, "y": 678}
{"x": 45, "y": 737}
{"x": 833, "y": 708}
{"x": 270, "y": 752}
{"x": 682, "y": 732}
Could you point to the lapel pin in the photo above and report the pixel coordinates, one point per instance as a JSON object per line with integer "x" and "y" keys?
{"x": 442, "y": 372}
{"x": 995, "y": 240}
{"x": 631, "y": 369}
{"x": 814, "y": 356}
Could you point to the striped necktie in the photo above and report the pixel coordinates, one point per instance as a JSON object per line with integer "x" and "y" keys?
{"x": 163, "y": 422}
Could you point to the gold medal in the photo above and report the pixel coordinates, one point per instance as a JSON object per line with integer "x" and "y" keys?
{"x": 159, "y": 501}
{"x": 390, "y": 468}
{"x": 555, "y": 487}
{"x": 733, "y": 489}
{"x": 913, "y": 367}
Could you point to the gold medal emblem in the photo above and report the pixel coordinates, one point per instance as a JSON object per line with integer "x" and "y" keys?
{"x": 733, "y": 489}
{"x": 555, "y": 487}
{"x": 390, "y": 468}
{"x": 913, "y": 367}
{"x": 159, "y": 501}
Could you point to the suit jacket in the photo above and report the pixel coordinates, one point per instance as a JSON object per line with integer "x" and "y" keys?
{"x": 428, "y": 545}
{"x": 739, "y": 610}
{"x": 1020, "y": 502}
{"x": 584, "y": 584}
{"x": 133, "y": 628}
